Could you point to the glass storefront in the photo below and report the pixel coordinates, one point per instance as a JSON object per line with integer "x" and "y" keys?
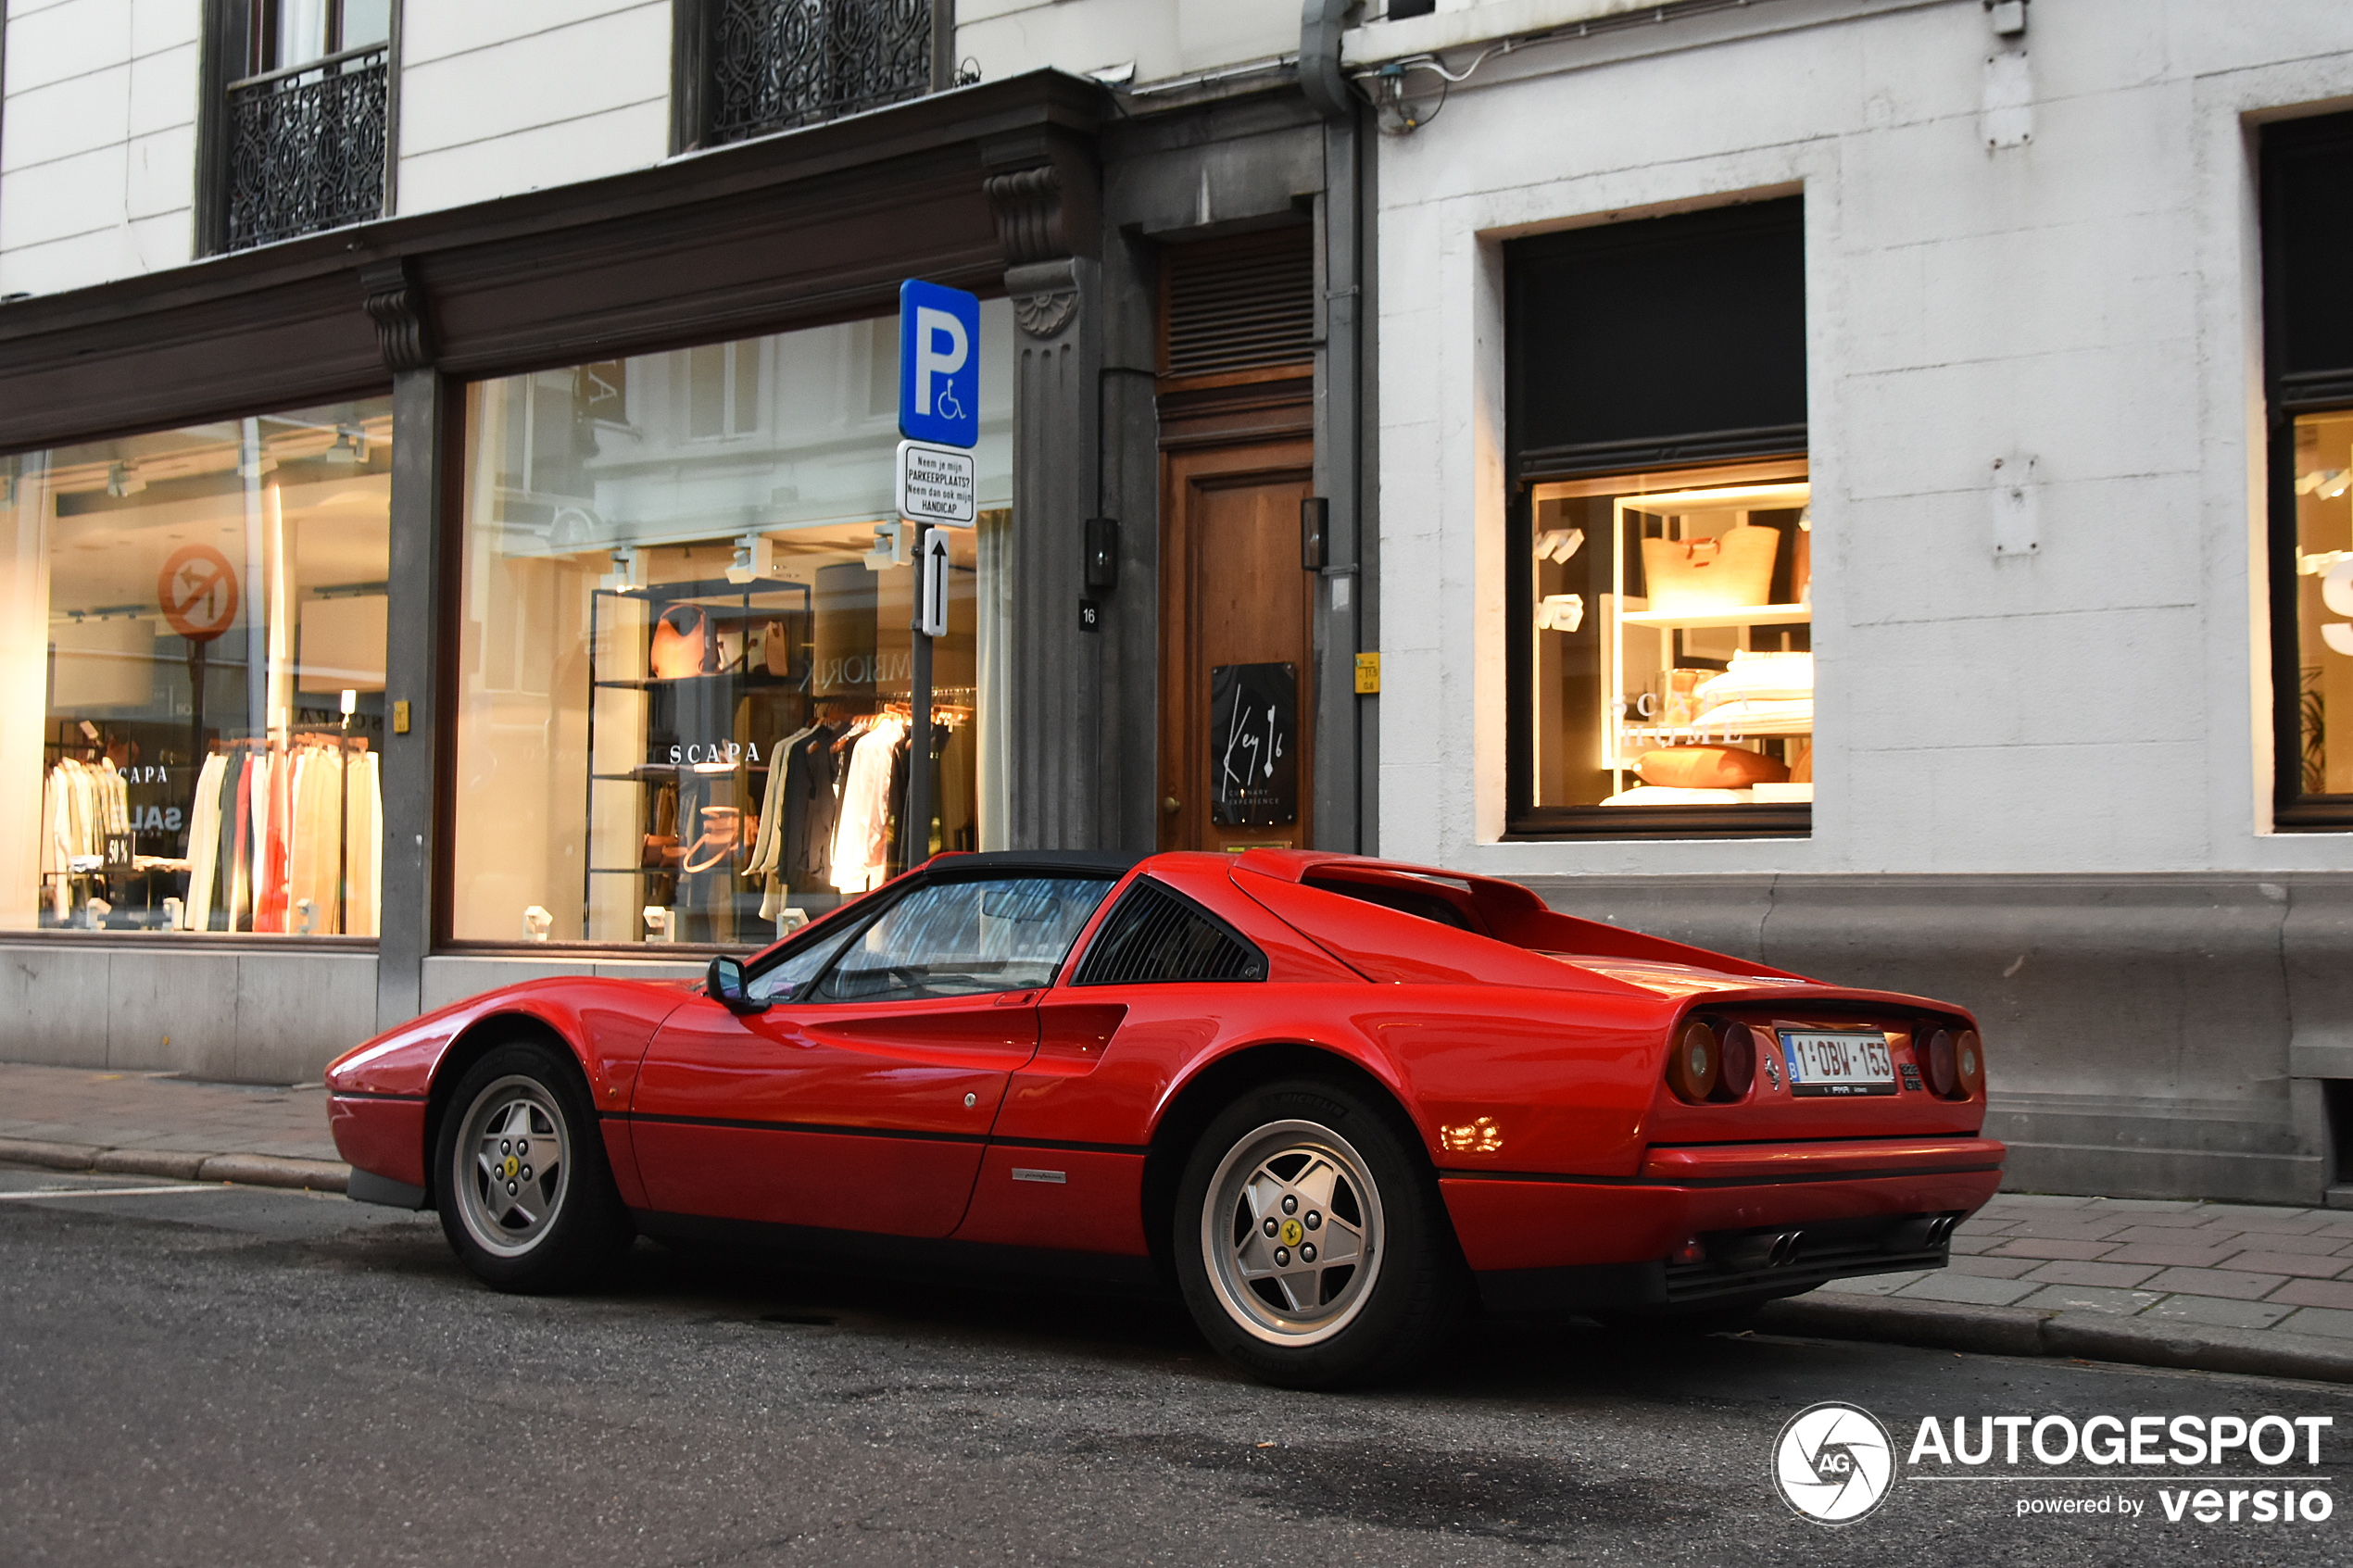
{"x": 686, "y": 654}
{"x": 1669, "y": 617}
{"x": 197, "y": 618}
{"x": 2324, "y": 603}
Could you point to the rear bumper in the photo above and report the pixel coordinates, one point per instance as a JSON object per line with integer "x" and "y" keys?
{"x": 1862, "y": 1207}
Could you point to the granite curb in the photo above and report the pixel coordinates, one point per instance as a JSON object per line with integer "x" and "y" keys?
{"x": 2082, "y": 1335}
{"x": 247, "y": 1169}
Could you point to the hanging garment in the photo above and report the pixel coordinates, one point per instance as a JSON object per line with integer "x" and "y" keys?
{"x": 766, "y": 846}
{"x": 862, "y": 835}
{"x": 363, "y": 840}
{"x": 273, "y": 792}
{"x": 237, "y": 862}
{"x": 204, "y": 844}
{"x": 810, "y": 801}
{"x": 314, "y": 876}
{"x": 957, "y": 828}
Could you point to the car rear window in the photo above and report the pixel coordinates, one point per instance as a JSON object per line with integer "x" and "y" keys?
{"x": 1430, "y": 906}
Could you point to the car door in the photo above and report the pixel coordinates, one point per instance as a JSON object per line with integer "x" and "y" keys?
{"x": 862, "y": 1097}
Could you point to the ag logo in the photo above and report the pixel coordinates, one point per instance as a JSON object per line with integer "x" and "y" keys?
{"x": 1833, "y": 1462}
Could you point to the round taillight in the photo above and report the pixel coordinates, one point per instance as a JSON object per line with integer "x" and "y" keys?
{"x": 1736, "y": 1061}
{"x": 1936, "y": 1056}
{"x": 1692, "y": 1066}
{"x": 1969, "y": 1064}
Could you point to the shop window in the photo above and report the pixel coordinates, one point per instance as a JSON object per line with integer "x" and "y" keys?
{"x": 1660, "y": 631}
{"x": 196, "y": 618}
{"x": 685, "y": 665}
{"x": 298, "y": 120}
{"x": 2307, "y": 233}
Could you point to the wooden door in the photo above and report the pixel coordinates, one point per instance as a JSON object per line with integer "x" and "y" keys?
{"x": 1235, "y": 607}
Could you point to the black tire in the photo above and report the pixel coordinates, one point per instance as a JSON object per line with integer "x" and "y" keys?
{"x": 533, "y": 1227}
{"x": 1286, "y": 1307}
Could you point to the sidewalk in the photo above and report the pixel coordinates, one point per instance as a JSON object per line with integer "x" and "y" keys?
{"x": 156, "y": 1124}
{"x": 2226, "y": 1288}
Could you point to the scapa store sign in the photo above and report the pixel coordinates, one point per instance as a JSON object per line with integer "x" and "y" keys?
{"x": 2227, "y": 1469}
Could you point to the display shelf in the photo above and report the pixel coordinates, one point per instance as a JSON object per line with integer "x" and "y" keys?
{"x": 1696, "y": 619}
{"x": 1698, "y": 730}
{"x": 750, "y": 680}
{"x": 727, "y": 601}
{"x": 1643, "y": 647}
{"x": 651, "y": 772}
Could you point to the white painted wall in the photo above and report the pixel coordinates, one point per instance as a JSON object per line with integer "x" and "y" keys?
{"x": 521, "y": 94}
{"x": 1160, "y": 38}
{"x": 97, "y": 140}
{"x": 2089, "y": 297}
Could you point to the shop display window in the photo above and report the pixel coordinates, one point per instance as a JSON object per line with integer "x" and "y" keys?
{"x": 1657, "y": 578}
{"x": 2324, "y": 610}
{"x": 686, "y": 653}
{"x": 192, "y": 649}
{"x": 1669, "y": 620}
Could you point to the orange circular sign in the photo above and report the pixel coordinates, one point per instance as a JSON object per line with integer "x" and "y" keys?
{"x": 197, "y": 589}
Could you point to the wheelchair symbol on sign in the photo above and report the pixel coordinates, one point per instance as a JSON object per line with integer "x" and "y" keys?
{"x": 945, "y": 402}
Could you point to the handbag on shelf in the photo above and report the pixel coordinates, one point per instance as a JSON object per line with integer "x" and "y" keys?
{"x": 662, "y": 852}
{"x": 1686, "y": 576}
{"x": 721, "y": 832}
{"x": 684, "y": 643}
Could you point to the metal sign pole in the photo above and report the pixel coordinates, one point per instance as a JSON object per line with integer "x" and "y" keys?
{"x": 918, "y": 847}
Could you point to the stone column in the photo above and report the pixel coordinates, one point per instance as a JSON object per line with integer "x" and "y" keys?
{"x": 425, "y": 412}
{"x": 1043, "y": 191}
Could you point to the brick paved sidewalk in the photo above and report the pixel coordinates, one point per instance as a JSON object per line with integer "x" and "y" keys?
{"x": 159, "y": 1111}
{"x": 2218, "y": 1265}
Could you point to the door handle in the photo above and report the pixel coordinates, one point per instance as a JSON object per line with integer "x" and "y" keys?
{"x": 1170, "y": 806}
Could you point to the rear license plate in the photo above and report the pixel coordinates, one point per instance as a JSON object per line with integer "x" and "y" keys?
{"x": 1825, "y": 1061}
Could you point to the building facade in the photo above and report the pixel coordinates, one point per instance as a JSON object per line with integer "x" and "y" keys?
{"x": 449, "y": 482}
{"x": 1855, "y": 483}
{"x": 1860, "y": 483}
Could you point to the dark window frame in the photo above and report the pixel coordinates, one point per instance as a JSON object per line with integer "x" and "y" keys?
{"x": 2293, "y": 386}
{"x": 693, "y": 58}
{"x": 1530, "y": 464}
{"x": 234, "y": 41}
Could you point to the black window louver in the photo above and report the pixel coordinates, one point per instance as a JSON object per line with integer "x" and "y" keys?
{"x": 1154, "y": 935}
{"x": 1241, "y": 305}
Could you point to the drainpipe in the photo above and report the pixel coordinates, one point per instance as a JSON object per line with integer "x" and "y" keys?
{"x": 1347, "y": 616}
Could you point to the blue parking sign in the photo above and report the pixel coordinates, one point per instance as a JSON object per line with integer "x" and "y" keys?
{"x": 938, "y": 364}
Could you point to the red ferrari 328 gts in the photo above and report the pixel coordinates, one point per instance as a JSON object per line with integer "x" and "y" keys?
{"x": 1336, "y": 1099}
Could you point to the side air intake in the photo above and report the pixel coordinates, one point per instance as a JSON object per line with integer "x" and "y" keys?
{"x": 1156, "y": 936}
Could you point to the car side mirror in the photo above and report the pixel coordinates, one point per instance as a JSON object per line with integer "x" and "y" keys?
{"x": 725, "y": 985}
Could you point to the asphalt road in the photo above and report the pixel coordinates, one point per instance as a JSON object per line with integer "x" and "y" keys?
{"x": 233, "y": 1376}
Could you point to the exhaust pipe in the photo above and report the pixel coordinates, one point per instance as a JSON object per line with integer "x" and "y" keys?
{"x": 1785, "y": 1249}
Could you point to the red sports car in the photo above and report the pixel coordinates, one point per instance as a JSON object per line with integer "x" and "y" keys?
{"x": 1337, "y": 1099}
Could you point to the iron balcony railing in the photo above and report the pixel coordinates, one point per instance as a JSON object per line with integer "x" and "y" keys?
{"x": 776, "y": 64}
{"x": 306, "y": 146}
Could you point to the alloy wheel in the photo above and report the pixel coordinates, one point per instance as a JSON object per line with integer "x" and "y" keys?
{"x": 513, "y": 1166}
{"x": 1291, "y": 1233}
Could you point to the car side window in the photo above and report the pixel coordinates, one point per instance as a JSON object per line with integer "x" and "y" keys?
{"x": 963, "y": 937}
{"x": 789, "y": 974}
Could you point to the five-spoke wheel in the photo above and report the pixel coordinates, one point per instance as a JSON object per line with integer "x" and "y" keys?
{"x": 513, "y": 1188}
{"x": 1292, "y": 1229}
{"x": 526, "y": 1198}
{"x": 1311, "y": 1243}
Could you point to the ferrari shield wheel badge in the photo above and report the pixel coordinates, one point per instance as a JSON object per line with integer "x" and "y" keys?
{"x": 1833, "y": 1462}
